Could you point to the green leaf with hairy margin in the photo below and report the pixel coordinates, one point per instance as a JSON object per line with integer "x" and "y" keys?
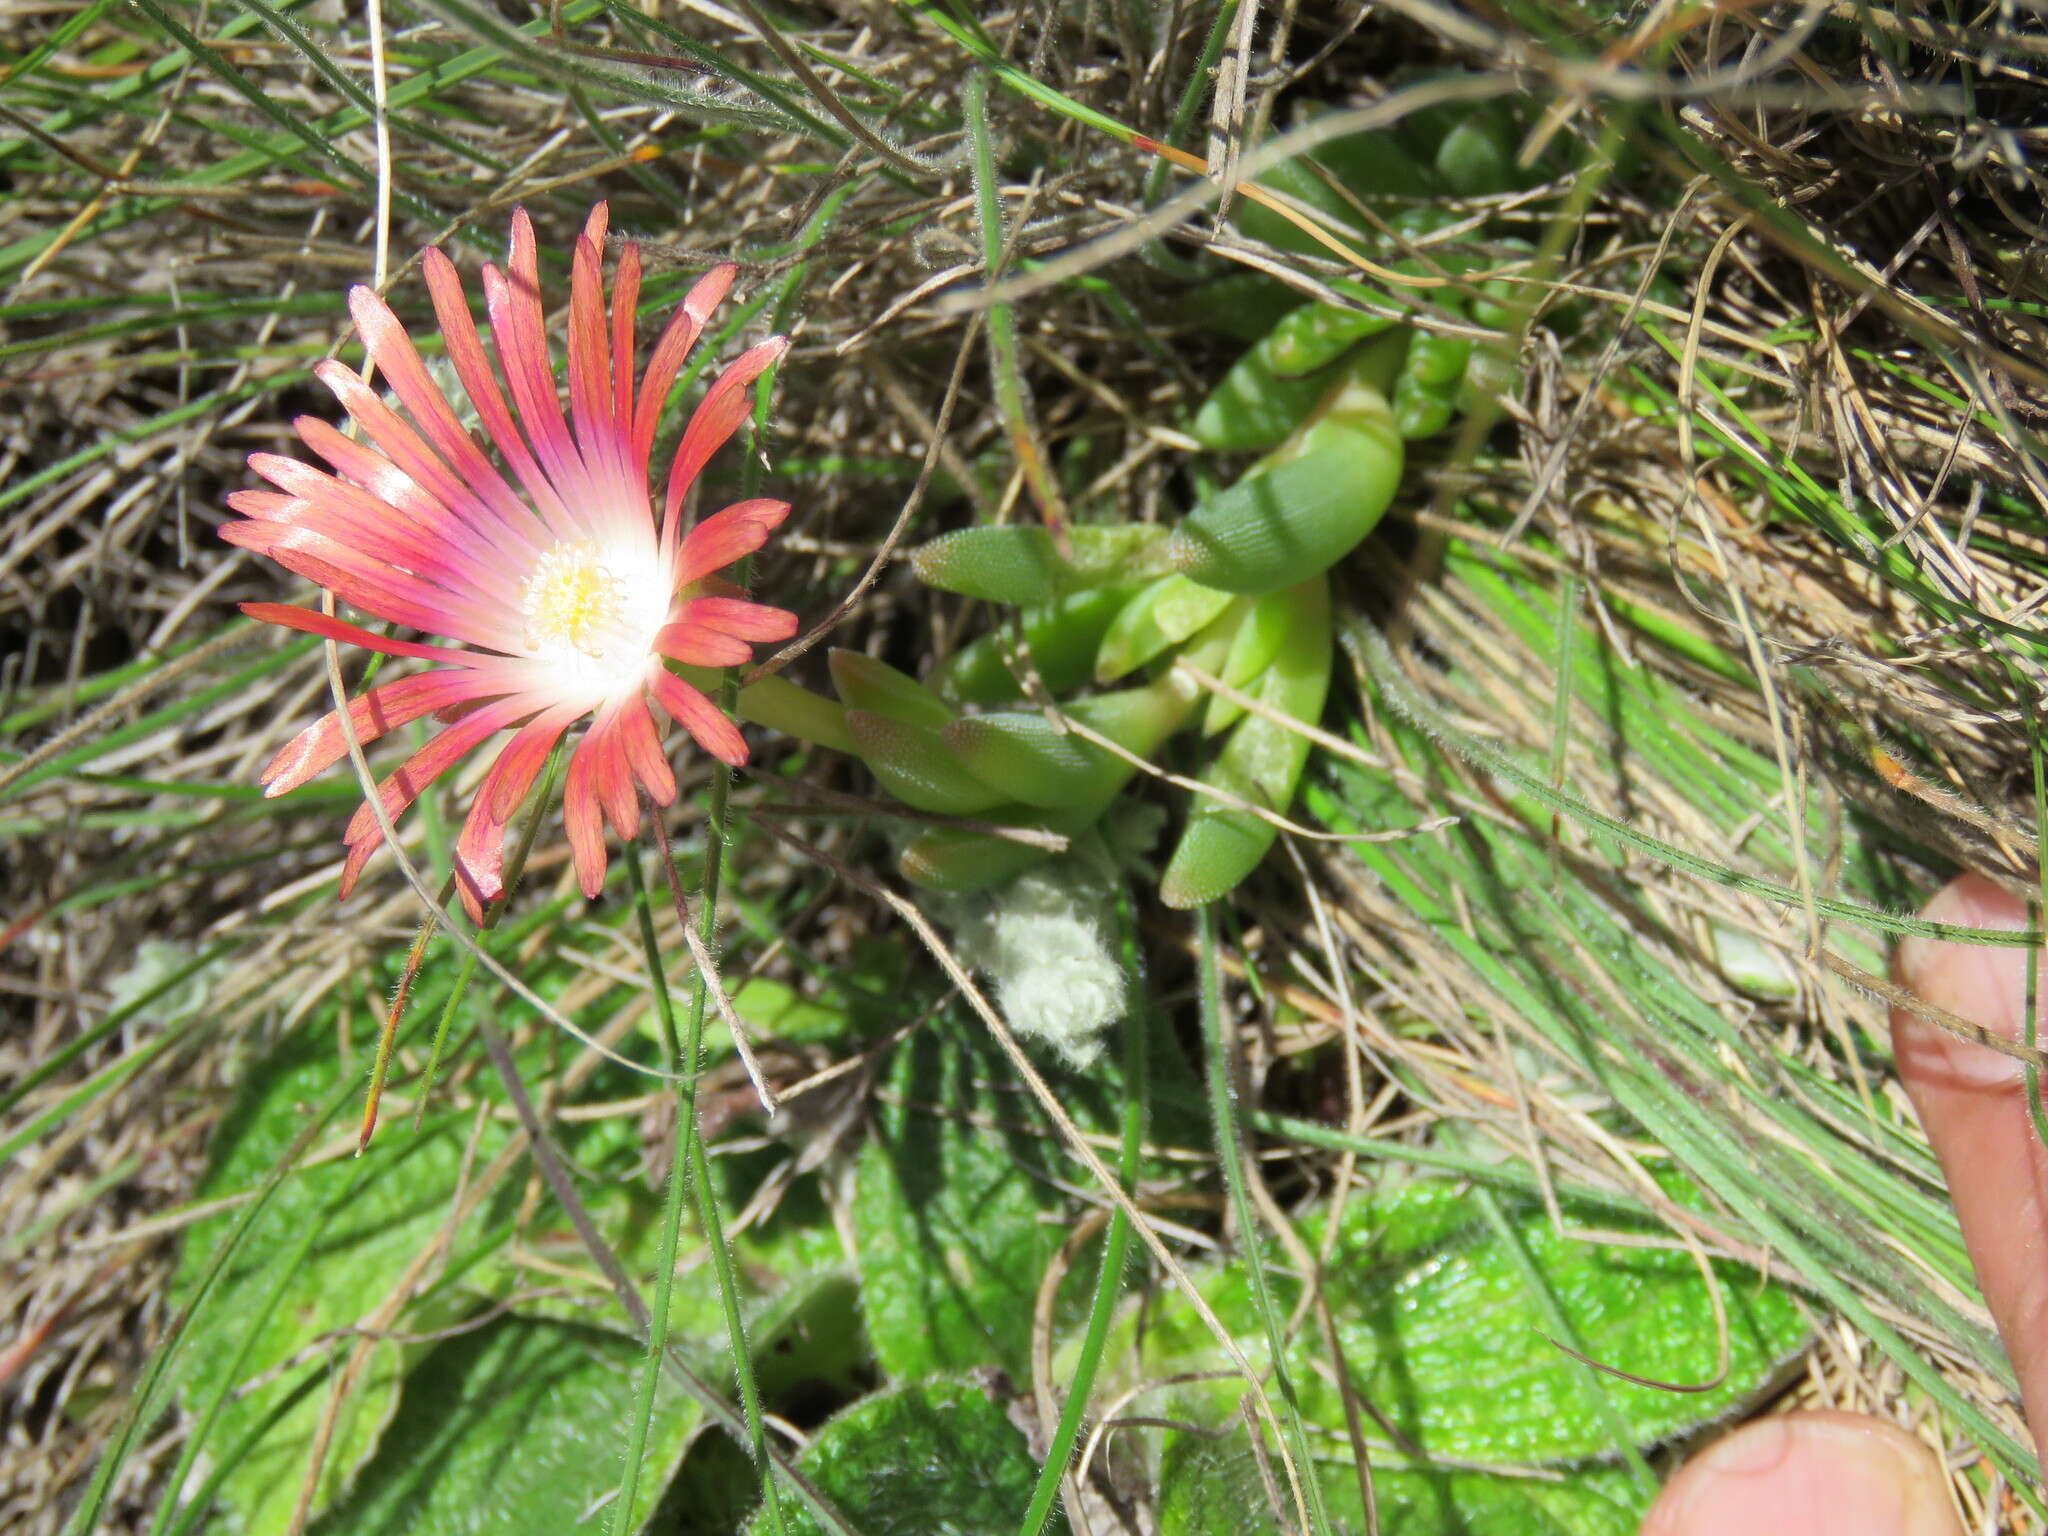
{"x": 1206, "y": 1486}
{"x": 940, "y": 1458}
{"x": 510, "y": 1427}
{"x": 1436, "y": 1307}
{"x": 953, "y": 1192}
{"x": 948, "y": 1215}
{"x": 337, "y": 1238}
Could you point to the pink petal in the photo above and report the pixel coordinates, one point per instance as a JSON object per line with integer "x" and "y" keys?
{"x": 590, "y": 354}
{"x": 394, "y": 352}
{"x": 369, "y": 584}
{"x": 313, "y": 623}
{"x": 625, "y": 308}
{"x": 642, "y": 748}
{"x": 480, "y": 383}
{"x": 518, "y": 329}
{"x": 597, "y": 778}
{"x": 480, "y": 851}
{"x": 684, "y": 327}
{"x": 352, "y": 517}
{"x": 696, "y": 714}
{"x": 740, "y": 618}
{"x": 368, "y": 469}
{"x": 727, "y": 536}
{"x": 717, "y": 417}
{"x": 696, "y": 646}
{"x": 409, "y": 451}
{"x": 398, "y": 792}
{"x": 382, "y": 709}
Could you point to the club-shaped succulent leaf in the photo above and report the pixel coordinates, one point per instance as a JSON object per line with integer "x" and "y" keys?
{"x": 1021, "y": 565}
{"x": 1261, "y": 760}
{"x": 916, "y": 766}
{"x": 1252, "y": 649}
{"x": 1030, "y": 759}
{"x": 1305, "y": 509}
{"x": 1159, "y": 617}
{"x": 862, "y": 682}
{"x": 1060, "y": 642}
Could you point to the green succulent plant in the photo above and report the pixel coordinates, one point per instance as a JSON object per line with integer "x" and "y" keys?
{"x": 1113, "y": 633}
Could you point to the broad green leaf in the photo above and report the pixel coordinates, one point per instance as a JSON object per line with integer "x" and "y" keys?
{"x": 330, "y": 1249}
{"x": 1440, "y": 1327}
{"x": 1206, "y": 1486}
{"x": 511, "y": 1427}
{"x": 939, "y": 1458}
{"x": 952, "y": 1193}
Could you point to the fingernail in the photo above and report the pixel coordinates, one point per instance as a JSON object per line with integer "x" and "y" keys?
{"x": 1985, "y": 984}
{"x": 1816, "y": 1474}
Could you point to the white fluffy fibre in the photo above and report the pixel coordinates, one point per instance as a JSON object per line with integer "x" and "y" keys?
{"x": 1043, "y": 941}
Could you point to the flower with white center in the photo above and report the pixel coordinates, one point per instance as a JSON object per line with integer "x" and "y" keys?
{"x": 568, "y": 595}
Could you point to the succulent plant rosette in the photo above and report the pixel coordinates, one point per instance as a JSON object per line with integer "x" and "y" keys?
{"x": 1113, "y": 638}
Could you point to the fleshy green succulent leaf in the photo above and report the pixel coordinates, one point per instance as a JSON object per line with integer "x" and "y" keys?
{"x": 1422, "y": 409}
{"x": 875, "y": 686}
{"x": 1022, "y": 754}
{"x": 1021, "y": 566}
{"x": 1305, "y": 509}
{"x": 1160, "y": 616}
{"x": 1002, "y": 565}
{"x": 1255, "y": 406}
{"x": 958, "y": 860}
{"x": 1260, "y": 763}
{"x": 1436, "y": 359}
{"x": 1313, "y": 337}
{"x": 1061, "y": 638}
{"x": 1252, "y": 649}
{"x": 916, "y": 766}
{"x": 784, "y": 706}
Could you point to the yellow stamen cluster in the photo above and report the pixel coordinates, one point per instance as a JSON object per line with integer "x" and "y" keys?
{"x": 572, "y": 601}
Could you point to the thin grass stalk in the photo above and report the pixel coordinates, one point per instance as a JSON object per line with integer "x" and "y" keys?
{"x": 1005, "y": 366}
{"x": 1230, "y": 1157}
{"x": 642, "y": 1412}
{"x": 1116, "y": 1245}
{"x": 514, "y": 866}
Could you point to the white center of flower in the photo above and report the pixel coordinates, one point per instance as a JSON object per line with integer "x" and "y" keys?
{"x": 593, "y": 616}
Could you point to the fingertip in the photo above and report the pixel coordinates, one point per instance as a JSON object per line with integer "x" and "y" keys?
{"x": 1985, "y": 984}
{"x": 1814, "y": 1474}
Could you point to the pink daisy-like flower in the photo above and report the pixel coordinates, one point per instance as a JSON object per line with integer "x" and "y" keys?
{"x": 569, "y": 600}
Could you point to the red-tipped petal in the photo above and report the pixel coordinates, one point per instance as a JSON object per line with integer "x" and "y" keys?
{"x": 717, "y": 417}
{"x": 410, "y": 452}
{"x": 642, "y": 747}
{"x": 684, "y": 327}
{"x": 696, "y": 646}
{"x": 369, "y": 584}
{"x": 480, "y": 851}
{"x": 727, "y": 536}
{"x": 707, "y": 725}
{"x": 590, "y": 353}
{"x": 390, "y": 344}
{"x": 310, "y": 622}
{"x": 382, "y": 709}
{"x": 398, "y": 792}
{"x": 518, "y": 330}
{"x": 740, "y": 618}
{"x": 480, "y": 383}
{"x": 625, "y": 306}
{"x": 583, "y": 805}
